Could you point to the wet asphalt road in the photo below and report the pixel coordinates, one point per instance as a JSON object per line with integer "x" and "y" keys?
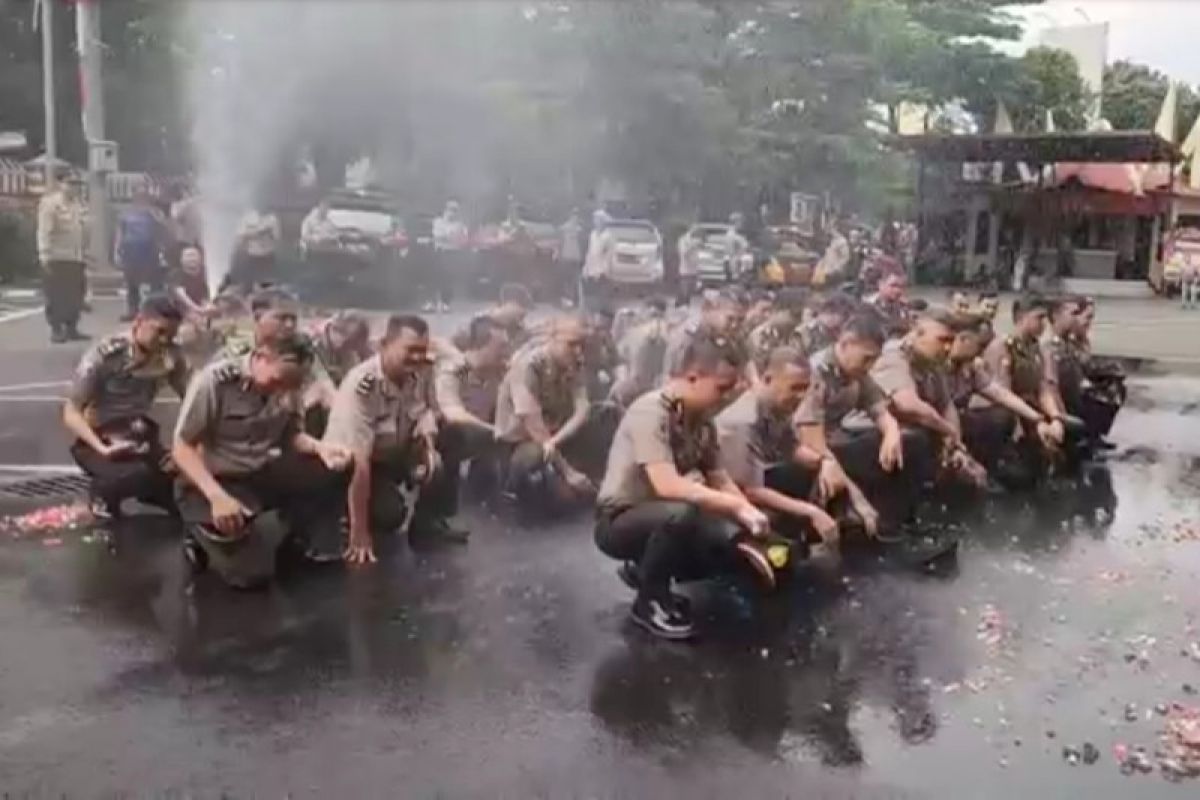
{"x": 505, "y": 668}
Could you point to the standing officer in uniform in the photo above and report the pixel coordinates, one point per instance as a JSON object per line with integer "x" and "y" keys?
{"x": 541, "y": 409}
{"x": 780, "y": 329}
{"x": 666, "y": 508}
{"x": 108, "y": 409}
{"x": 912, "y": 373}
{"x": 871, "y": 458}
{"x": 249, "y": 476}
{"x": 987, "y": 430}
{"x": 1017, "y": 363}
{"x": 822, "y": 331}
{"x": 385, "y": 416}
{"x": 760, "y": 453}
{"x": 62, "y": 246}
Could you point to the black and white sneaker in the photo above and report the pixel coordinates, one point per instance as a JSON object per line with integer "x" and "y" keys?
{"x": 194, "y": 555}
{"x": 628, "y": 573}
{"x": 661, "y": 619}
{"x": 102, "y": 510}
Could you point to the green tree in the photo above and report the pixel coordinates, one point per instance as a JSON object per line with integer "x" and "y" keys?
{"x": 1134, "y": 93}
{"x": 1046, "y": 79}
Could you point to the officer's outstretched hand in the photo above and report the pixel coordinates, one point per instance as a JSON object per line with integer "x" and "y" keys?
{"x": 333, "y": 456}
{"x": 891, "y": 453}
{"x": 228, "y": 514}
{"x": 361, "y": 550}
{"x": 752, "y": 519}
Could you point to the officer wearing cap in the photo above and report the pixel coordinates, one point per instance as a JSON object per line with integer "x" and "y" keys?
{"x": 108, "y": 409}
{"x": 541, "y": 410}
{"x": 385, "y": 416}
{"x": 249, "y": 475}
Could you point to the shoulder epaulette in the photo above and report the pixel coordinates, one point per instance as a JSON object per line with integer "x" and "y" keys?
{"x": 113, "y": 346}
{"x": 366, "y": 384}
{"x": 228, "y": 373}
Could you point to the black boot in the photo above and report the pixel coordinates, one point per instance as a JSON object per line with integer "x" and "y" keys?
{"x": 57, "y": 334}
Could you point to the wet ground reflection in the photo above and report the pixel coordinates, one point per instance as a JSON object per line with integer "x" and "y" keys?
{"x": 511, "y": 658}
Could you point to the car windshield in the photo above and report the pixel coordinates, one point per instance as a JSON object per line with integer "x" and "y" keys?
{"x": 365, "y": 220}
{"x": 633, "y": 234}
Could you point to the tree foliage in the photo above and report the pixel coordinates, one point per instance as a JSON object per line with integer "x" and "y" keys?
{"x": 693, "y": 104}
{"x": 1134, "y": 93}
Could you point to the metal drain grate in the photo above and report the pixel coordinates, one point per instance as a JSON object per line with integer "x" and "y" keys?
{"x": 48, "y": 487}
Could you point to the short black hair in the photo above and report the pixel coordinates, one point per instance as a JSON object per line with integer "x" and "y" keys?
{"x": 988, "y": 296}
{"x": 706, "y": 353}
{"x": 350, "y": 322}
{"x": 956, "y": 321}
{"x": 289, "y": 347}
{"x": 402, "y": 322}
{"x": 793, "y": 299}
{"x": 1055, "y": 305}
{"x": 1027, "y": 304}
{"x": 268, "y": 297}
{"x": 480, "y": 331}
{"x": 786, "y": 356}
{"x": 159, "y": 306}
{"x": 837, "y": 303}
{"x": 866, "y": 326}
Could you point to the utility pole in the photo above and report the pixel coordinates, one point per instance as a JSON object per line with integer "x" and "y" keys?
{"x": 50, "y": 135}
{"x": 91, "y": 83}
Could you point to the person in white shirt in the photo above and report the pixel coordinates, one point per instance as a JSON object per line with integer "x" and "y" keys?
{"x": 258, "y": 239}
{"x": 451, "y": 240}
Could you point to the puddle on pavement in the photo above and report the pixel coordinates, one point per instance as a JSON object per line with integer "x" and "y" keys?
{"x": 1065, "y": 609}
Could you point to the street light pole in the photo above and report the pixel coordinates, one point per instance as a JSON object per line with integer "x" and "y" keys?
{"x": 91, "y": 83}
{"x": 50, "y": 134}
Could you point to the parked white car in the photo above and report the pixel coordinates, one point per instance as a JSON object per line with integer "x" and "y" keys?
{"x": 704, "y": 255}
{"x": 625, "y": 251}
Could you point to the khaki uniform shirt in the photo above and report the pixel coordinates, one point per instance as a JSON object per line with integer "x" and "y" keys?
{"x": 752, "y": 438}
{"x": 534, "y": 384}
{"x": 967, "y": 380}
{"x": 833, "y": 395}
{"x": 238, "y": 428}
{"x": 372, "y": 415}
{"x": 815, "y": 337}
{"x": 765, "y": 338}
{"x": 110, "y": 384}
{"x": 456, "y": 382}
{"x": 899, "y": 369}
{"x": 62, "y": 229}
{"x": 1018, "y": 365}
{"x": 655, "y": 430}
{"x": 642, "y": 349}
{"x": 896, "y": 315}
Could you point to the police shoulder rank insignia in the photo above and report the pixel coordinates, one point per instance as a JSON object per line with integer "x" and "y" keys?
{"x": 113, "y": 346}
{"x": 227, "y": 373}
{"x": 366, "y": 384}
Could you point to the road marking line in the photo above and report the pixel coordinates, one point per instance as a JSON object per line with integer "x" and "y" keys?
{"x": 40, "y": 468}
{"x": 20, "y": 387}
{"x": 13, "y": 316}
{"x": 58, "y": 398}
